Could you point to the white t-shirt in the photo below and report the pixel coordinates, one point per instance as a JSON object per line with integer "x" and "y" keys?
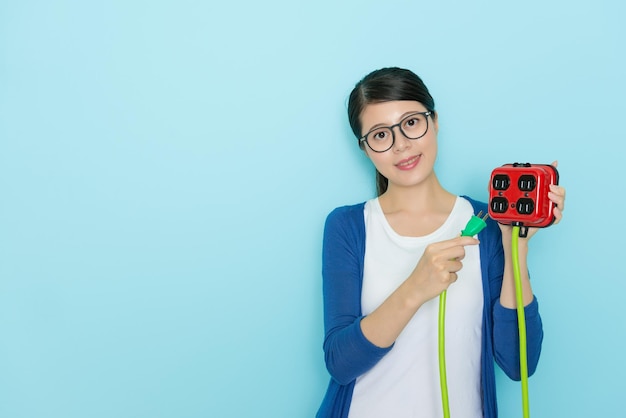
{"x": 405, "y": 383}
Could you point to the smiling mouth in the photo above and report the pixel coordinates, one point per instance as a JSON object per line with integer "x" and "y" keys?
{"x": 408, "y": 162}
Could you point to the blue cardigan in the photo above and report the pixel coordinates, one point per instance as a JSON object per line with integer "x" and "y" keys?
{"x": 348, "y": 354}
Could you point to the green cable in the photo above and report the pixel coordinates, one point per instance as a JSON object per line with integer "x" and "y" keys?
{"x": 473, "y": 227}
{"x": 521, "y": 320}
{"x": 443, "y": 380}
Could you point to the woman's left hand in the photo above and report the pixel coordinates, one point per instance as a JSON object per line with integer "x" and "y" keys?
{"x": 557, "y": 196}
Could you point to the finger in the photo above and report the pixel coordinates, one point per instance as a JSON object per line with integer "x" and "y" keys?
{"x": 557, "y": 195}
{"x": 556, "y": 189}
{"x": 453, "y": 253}
{"x": 558, "y": 201}
{"x": 453, "y": 265}
{"x": 456, "y": 242}
{"x": 555, "y": 163}
{"x": 557, "y": 215}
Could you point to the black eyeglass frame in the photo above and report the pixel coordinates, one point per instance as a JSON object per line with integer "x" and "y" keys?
{"x": 393, "y": 134}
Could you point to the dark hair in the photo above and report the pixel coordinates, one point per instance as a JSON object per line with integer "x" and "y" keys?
{"x": 384, "y": 85}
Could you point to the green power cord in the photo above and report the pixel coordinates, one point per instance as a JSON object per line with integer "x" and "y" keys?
{"x": 521, "y": 321}
{"x": 473, "y": 227}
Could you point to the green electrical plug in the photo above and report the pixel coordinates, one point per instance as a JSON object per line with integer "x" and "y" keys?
{"x": 475, "y": 225}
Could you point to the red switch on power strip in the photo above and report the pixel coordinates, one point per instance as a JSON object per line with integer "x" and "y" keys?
{"x": 518, "y": 194}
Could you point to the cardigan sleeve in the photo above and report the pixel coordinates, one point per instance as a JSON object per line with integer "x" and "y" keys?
{"x": 506, "y": 338}
{"x": 347, "y": 352}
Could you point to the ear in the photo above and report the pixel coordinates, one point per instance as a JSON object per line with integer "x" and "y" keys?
{"x": 363, "y": 146}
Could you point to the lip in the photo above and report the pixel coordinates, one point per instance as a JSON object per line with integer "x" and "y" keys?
{"x": 409, "y": 163}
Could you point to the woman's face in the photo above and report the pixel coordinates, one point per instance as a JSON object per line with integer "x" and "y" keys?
{"x": 409, "y": 161}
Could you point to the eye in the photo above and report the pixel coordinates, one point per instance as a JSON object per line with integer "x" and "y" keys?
{"x": 412, "y": 121}
{"x": 379, "y": 135}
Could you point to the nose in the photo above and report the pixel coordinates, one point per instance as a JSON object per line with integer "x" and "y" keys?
{"x": 401, "y": 142}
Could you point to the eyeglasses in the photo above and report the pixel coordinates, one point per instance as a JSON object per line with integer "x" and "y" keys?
{"x": 413, "y": 126}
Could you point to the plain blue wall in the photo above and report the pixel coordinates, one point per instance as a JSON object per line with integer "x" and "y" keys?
{"x": 166, "y": 168}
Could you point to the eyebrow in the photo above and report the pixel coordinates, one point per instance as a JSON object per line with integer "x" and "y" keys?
{"x": 404, "y": 115}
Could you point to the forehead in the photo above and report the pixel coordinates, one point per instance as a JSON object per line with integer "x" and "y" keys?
{"x": 388, "y": 113}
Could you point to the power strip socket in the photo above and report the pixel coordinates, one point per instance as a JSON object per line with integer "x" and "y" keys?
{"x": 518, "y": 194}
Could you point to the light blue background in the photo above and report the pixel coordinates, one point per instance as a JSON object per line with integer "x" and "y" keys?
{"x": 166, "y": 168}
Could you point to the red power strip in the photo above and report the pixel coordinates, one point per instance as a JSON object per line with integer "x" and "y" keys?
{"x": 518, "y": 195}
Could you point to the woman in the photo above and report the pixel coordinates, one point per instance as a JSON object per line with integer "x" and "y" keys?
{"x": 386, "y": 261}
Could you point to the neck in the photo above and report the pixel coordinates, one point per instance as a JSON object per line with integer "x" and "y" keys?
{"x": 428, "y": 196}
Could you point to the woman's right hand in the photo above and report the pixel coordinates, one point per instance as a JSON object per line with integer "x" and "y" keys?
{"x": 435, "y": 271}
{"x": 438, "y": 267}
